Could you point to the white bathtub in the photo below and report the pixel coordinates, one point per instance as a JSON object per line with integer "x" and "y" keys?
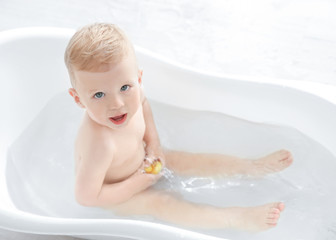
{"x": 32, "y": 60}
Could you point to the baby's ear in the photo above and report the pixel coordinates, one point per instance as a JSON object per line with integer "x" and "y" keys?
{"x": 140, "y": 71}
{"x": 73, "y": 93}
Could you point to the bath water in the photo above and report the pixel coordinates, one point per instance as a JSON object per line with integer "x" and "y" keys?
{"x": 40, "y": 169}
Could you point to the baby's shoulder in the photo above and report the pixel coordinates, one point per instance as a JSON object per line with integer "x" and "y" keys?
{"x": 94, "y": 143}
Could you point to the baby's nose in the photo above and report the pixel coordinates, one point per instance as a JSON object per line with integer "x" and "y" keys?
{"x": 116, "y": 103}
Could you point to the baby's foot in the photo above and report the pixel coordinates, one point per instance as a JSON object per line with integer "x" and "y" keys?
{"x": 258, "y": 218}
{"x": 271, "y": 163}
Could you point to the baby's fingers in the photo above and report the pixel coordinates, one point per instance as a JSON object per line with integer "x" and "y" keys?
{"x": 154, "y": 177}
{"x": 163, "y": 162}
{"x": 149, "y": 160}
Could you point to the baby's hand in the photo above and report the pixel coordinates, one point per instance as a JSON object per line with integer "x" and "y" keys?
{"x": 147, "y": 178}
{"x": 153, "y": 155}
{"x": 153, "y": 178}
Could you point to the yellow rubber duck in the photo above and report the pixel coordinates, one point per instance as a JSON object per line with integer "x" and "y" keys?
{"x": 155, "y": 168}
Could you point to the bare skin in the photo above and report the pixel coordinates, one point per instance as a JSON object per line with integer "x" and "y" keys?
{"x": 205, "y": 165}
{"x": 116, "y": 134}
{"x": 188, "y": 214}
{"x": 257, "y": 218}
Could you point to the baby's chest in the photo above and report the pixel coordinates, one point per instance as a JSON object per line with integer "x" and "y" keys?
{"x": 128, "y": 151}
{"x": 129, "y": 141}
{"x": 126, "y": 147}
{"x": 126, "y": 160}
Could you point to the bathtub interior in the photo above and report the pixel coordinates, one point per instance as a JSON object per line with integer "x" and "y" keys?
{"x": 33, "y": 72}
{"x": 21, "y": 77}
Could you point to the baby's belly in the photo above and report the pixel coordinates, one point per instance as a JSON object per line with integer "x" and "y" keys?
{"x": 124, "y": 167}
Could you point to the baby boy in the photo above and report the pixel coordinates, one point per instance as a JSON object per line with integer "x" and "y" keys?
{"x": 118, "y": 139}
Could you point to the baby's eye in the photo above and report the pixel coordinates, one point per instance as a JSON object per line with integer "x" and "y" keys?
{"x": 99, "y": 95}
{"x": 125, "y": 88}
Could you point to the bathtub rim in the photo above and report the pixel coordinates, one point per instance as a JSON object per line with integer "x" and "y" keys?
{"x": 20, "y": 221}
{"x": 323, "y": 90}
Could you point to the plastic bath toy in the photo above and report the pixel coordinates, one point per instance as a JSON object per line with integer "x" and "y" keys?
{"x": 155, "y": 168}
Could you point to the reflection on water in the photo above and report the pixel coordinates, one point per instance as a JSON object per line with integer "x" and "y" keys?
{"x": 40, "y": 170}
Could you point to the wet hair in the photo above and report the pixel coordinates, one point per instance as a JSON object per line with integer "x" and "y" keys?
{"x": 94, "y": 47}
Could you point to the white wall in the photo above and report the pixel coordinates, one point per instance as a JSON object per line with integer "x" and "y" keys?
{"x": 262, "y": 38}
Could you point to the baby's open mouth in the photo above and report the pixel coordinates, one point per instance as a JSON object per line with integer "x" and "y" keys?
{"x": 119, "y": 119}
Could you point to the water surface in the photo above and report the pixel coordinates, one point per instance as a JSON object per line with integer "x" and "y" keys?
{"x": 40, "y": 170}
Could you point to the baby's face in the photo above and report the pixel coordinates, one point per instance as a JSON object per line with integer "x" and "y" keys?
{"x": 111, "y": 98}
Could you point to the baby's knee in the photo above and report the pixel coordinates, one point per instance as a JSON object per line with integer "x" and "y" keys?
{"x": 164, "y": 200}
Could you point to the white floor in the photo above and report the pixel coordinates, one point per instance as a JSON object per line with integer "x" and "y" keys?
{"x": 291, "y": 39}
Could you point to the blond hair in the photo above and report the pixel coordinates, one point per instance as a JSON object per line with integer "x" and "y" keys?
{"x": 95, "y": 46}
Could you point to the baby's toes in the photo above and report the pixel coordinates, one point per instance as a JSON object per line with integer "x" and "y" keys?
{"x": 273, "y": 219}
{"x": 285, "y": 157}
{"x": 272, "y": 223}
{"x": 278, "y": 206}
{"x": 283, "y": 154}
{"x": 287, "y": 161}
{"x": 273, "y": 216}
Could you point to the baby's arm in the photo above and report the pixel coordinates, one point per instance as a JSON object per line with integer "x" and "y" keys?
{"x": 116, "y": 193}
{"x": 91, "y": 189}
{"x": 151, "y": 137}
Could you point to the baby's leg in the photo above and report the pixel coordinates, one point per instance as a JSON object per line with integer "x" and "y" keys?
{"x": 200, "y": 164}
{"x": 166, "y": 207}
